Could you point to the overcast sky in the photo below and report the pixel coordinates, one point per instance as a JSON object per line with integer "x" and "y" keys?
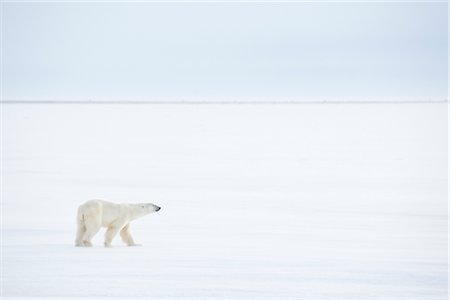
{"x": 219, "y": 51}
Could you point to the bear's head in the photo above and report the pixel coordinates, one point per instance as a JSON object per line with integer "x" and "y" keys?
{"x": 141, "y": 209}
{"x": 149, "y": 207}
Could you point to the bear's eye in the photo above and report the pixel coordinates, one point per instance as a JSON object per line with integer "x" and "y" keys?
{"x": 143, "y": 206}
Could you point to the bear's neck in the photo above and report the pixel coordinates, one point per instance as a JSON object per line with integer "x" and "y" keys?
{"x": 136, "y": 212}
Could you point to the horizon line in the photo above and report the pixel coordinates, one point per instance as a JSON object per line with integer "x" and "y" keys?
{"x": 219, "y": 102}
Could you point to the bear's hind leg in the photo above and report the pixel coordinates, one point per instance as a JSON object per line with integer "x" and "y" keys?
{"x": 92, "y": 225}
{"x": 125, "y": 234}
{"x": 81, "y": 229}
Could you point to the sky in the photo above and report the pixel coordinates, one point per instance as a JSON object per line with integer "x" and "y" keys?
{"x": 225, "y": 51}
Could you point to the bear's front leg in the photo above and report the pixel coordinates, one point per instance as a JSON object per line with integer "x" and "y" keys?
{"x": 125, "y": 234}
{"x": 110, "y": 234}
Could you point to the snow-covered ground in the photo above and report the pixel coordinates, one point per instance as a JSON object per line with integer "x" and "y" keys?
{"x": 258, "y": 201}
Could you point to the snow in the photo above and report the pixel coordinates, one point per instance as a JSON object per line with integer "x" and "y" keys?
{"x": 258, "y": 201}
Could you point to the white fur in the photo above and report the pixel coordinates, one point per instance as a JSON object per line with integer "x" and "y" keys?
{"x": 95, "y": 214}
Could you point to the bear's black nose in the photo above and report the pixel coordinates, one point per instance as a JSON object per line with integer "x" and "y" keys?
{"x": 158, "y": 208}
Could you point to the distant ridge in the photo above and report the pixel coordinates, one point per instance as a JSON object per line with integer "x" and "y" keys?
{"x": 208, "y": 102}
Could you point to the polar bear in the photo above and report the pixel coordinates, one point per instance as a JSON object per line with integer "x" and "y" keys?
{"x": 95, "y": 214}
